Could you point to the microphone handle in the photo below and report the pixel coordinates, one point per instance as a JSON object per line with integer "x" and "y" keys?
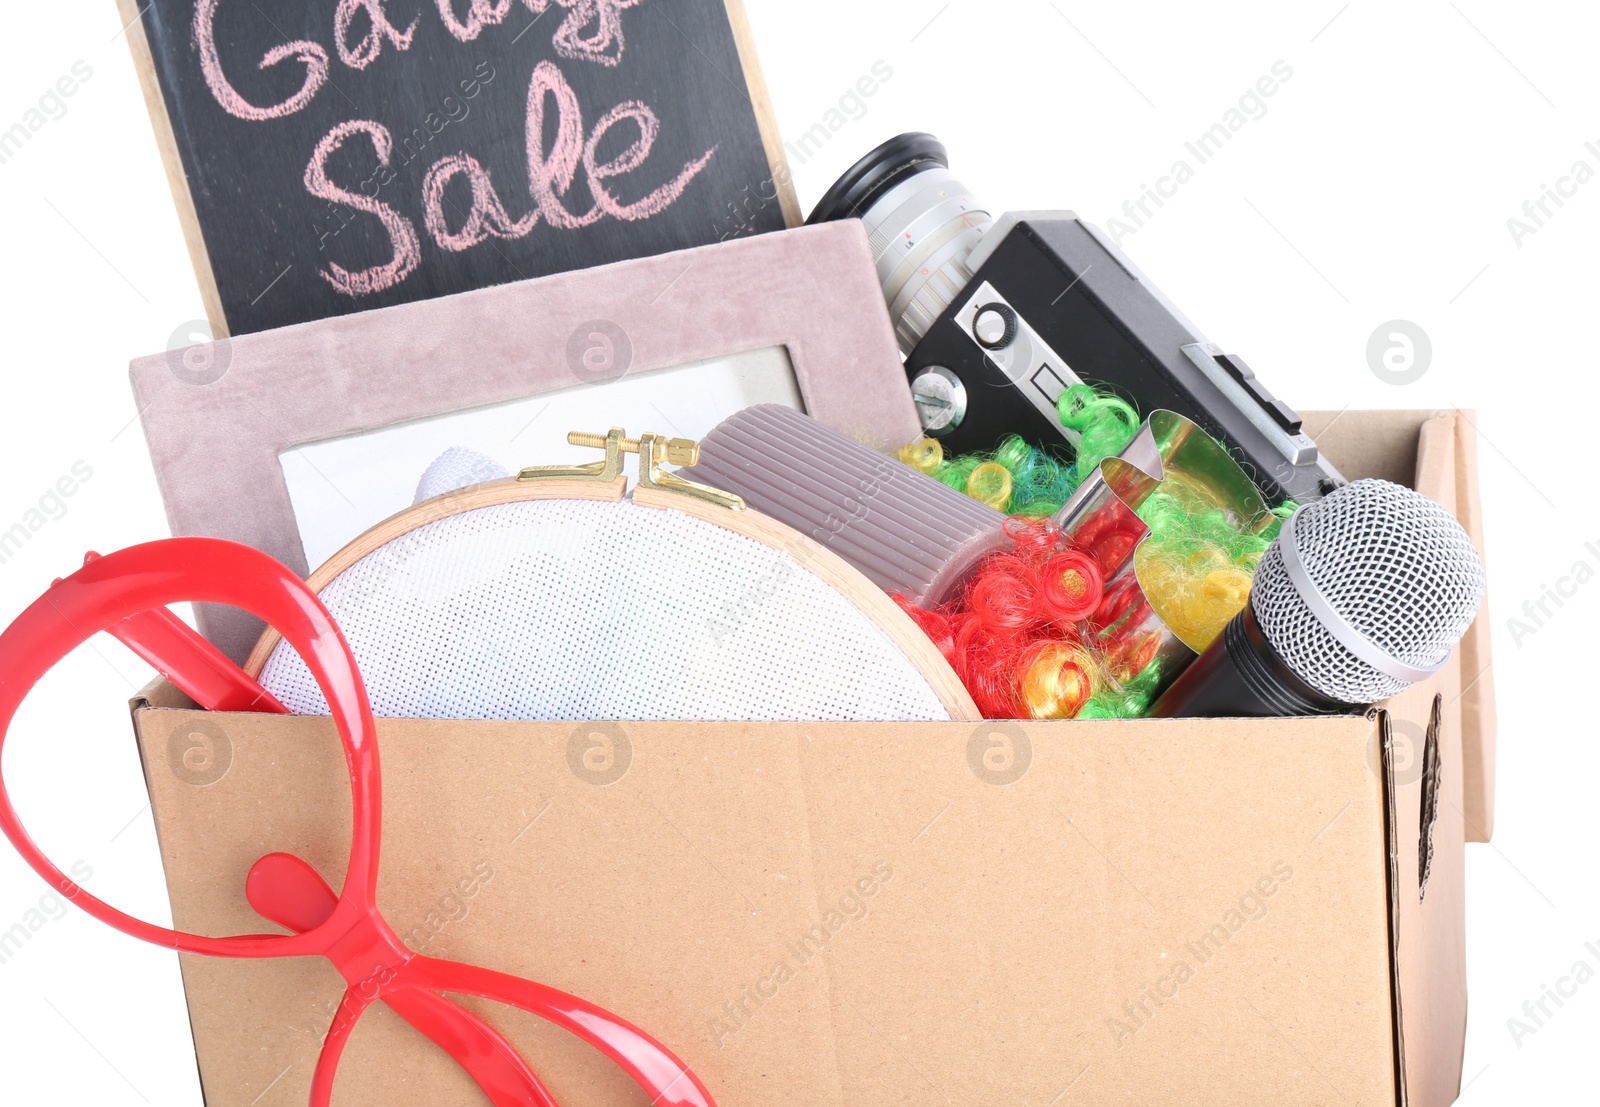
{"x": 1240, "y": 675}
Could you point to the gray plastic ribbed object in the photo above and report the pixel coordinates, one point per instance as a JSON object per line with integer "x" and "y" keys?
{"x": 905, "y": 531}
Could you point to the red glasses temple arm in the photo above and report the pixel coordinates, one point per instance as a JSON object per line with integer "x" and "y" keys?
{"x": 205, "y": 675}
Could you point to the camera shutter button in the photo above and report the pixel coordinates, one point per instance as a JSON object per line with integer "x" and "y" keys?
{"x": 994, "y": 326}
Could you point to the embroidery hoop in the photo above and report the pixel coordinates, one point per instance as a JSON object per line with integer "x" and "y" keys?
{"x": 603, "y": 481}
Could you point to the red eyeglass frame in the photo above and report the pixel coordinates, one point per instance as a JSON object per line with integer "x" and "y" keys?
{"x": 126, "y": 593}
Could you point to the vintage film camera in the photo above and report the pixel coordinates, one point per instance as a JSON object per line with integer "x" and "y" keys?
{"x": 997, "y": 317}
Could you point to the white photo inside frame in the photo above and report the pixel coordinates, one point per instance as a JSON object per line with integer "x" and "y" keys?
{"x": 341, "y": 487}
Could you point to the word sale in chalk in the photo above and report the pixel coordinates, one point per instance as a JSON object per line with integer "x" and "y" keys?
{"x": 551, "y": 174}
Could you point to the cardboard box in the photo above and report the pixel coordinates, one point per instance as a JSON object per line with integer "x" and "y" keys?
{"x": 1177, "y": 911}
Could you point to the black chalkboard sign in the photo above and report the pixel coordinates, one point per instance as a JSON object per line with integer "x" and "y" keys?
{"x": 330, "y": 156}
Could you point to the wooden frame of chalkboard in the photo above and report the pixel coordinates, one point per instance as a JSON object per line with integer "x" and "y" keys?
{"x": 330, "y": 158}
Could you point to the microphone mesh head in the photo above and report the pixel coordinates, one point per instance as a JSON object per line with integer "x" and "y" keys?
{"x": 1393, "y": 564}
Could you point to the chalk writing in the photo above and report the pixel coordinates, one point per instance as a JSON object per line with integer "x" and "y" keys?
{"x": 344, "y": 155}
{"x": 551, "y": 175}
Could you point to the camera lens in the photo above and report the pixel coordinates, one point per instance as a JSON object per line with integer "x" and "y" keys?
{"x": 921, "y": 224}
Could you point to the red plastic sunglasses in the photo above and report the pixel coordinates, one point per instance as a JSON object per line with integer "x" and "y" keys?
{"x": 126, "y": 593}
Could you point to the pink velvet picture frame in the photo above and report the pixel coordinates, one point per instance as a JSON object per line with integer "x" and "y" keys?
{"x": 217, "y": 417}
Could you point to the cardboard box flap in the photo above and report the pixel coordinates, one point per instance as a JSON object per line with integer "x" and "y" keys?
{"x": 1435, "y": 452}
{"x": 1478, "y": 725}
{"x": 1361, "y": 444}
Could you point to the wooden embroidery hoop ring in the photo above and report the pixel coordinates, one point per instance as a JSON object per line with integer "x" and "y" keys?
{"x": 604, "y": 481}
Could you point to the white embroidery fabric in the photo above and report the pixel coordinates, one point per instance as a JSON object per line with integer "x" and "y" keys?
{"x": 583, "y": 610}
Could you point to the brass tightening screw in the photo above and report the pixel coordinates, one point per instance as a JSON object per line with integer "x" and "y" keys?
{"x": 676, "y": 451}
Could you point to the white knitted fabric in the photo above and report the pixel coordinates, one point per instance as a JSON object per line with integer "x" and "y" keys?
{"x": 456, "y": 468}
{"x": 583, "y": 610}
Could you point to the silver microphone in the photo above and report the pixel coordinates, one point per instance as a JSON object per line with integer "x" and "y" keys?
{"x": 1362, "y": 594}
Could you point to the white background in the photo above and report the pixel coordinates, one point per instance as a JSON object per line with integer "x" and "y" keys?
{"x": 1376, "y": 187}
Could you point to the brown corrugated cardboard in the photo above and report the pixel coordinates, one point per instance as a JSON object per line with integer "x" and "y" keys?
{"x": 1477, "y": 700}
{"x": 1388, "y": 444}
{"x": 1432, "y": 920}
{"x": 1206, "y": 912}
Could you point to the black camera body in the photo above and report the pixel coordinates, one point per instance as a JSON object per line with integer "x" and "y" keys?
{"x": 1051, "y": 303}
{"x": 998, "y": 318}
